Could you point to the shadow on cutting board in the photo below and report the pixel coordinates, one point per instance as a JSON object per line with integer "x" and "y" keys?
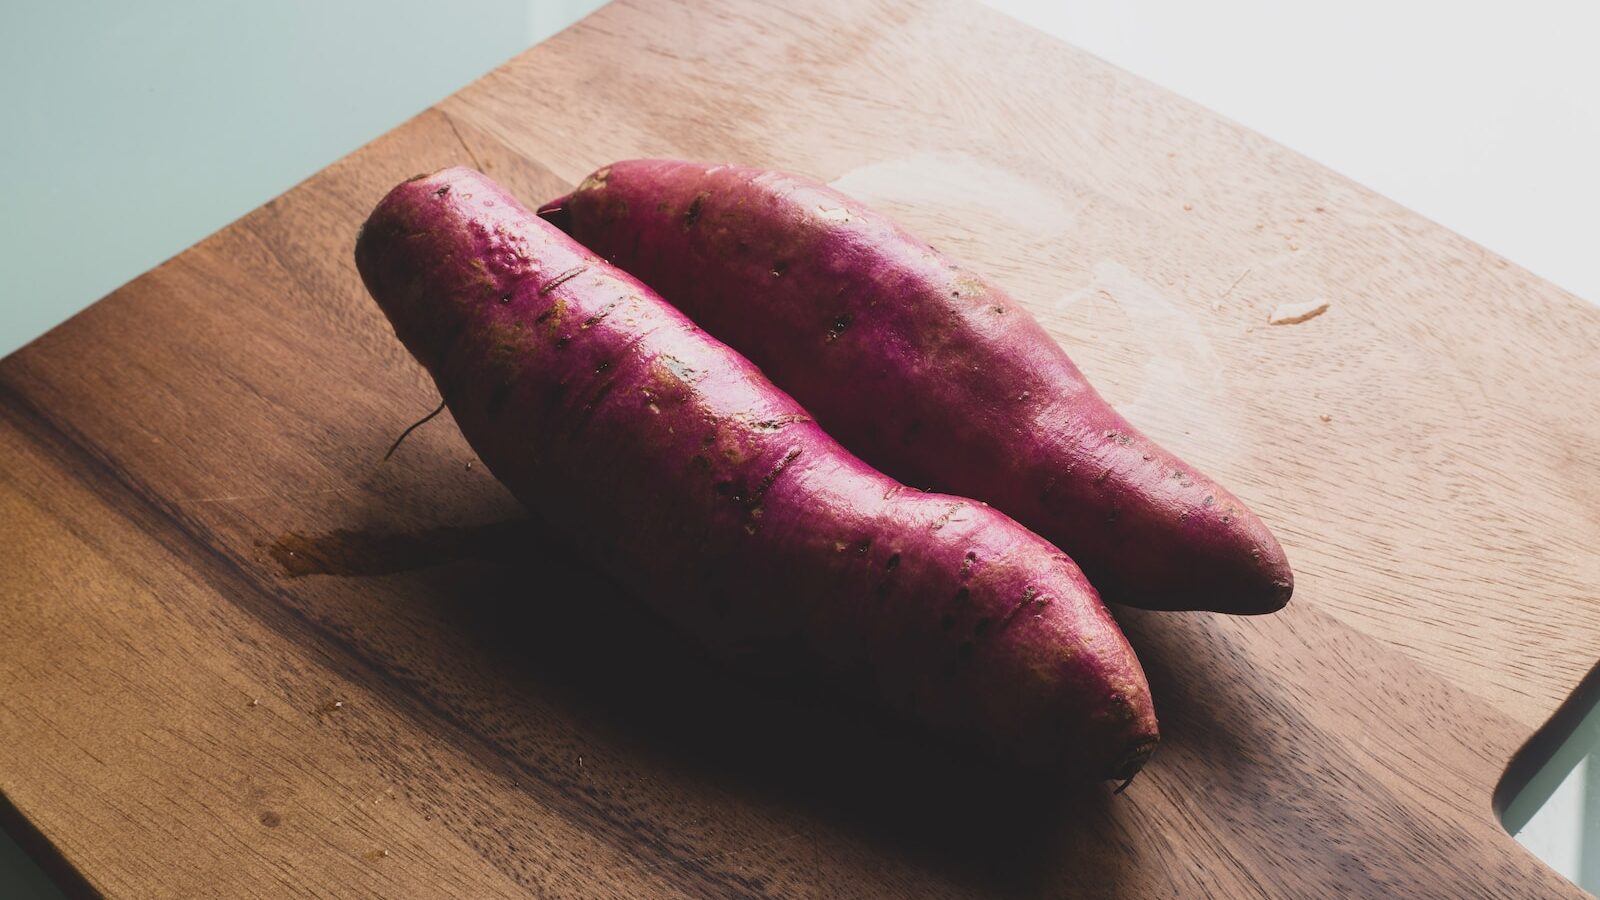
{"x": 640, "y": 685}
{"x": 1238, "y": 742}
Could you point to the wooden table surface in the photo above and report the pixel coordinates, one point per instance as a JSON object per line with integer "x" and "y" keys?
{"x": 240, "y": 656}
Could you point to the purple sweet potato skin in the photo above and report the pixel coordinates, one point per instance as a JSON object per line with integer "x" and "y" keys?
{"x": 927, "y": 371}
{"x": 673, "y": 462}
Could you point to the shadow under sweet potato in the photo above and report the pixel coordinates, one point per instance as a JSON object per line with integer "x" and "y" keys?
{"x": 613, "y": 664}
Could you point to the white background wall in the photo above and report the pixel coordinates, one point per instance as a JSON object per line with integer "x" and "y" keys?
{"x": 1484, "y": 117}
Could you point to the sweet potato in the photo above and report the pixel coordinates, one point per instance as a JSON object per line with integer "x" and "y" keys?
{"x": 671, "y": 461}
{"x": 928, "y": 372}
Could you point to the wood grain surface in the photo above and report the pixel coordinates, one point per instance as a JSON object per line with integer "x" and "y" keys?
{"x": 240, "y": 656}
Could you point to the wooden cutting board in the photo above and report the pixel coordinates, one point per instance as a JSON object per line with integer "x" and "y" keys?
{"x": 240, "y": 655}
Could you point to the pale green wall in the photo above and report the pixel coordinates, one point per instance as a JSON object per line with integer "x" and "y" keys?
{"x": 130, "y": 130}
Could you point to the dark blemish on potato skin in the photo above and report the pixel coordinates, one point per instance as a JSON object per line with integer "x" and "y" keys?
{"x": 780, "y": 423}
{"x": 442, "y": 191}
{"x": 561, "y": 279}
{"x": 600, "y": 394}
{"x": 948, "y": 514}
{"x": 983, "y": 626}
{"x": 780, "y": 267}
{"x": 966, "y": 565}
{"x": 595, "y": 319}
{"x": 1027, "y": 598}
{"x": 893, "y": 563}
{"x": 962, "y": 595}
{"x": 840, "y": 323}
{"x": 772, "y": 476}
{"x": 864, "y": 546}
{"x": 693, "y": 214}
